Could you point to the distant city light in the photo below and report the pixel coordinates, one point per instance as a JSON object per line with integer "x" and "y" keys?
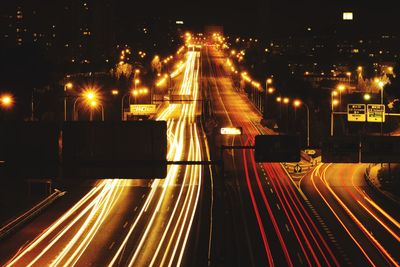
{"x": 347, "y": 15}
{"x": 179, "y": 22}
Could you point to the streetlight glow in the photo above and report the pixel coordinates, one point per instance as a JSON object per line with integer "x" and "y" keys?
{"x": 341, "y": 87}
{"x": 367, "y": 97}
{"x": 69, "y": 85}
{"x": 286, "y": 100}
{"x": 6, "y": 100}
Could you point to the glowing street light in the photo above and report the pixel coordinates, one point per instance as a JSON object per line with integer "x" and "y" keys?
{"x": 298, "y": 103}
{"x": 340, "y": 88}
{"x": 334, "y": 102}
{"x": 114, "y": 92}
{"x": 93, "y": 105}
{"x": 367, "y": 97}
{"x": 6, "y": 101}
{"x": 286, "y": 100}
{"x": 381, "y": 85}
{"x": 89, "y": 95}
{"x": 348, "y": 75}
{"x": 67, "y": 86}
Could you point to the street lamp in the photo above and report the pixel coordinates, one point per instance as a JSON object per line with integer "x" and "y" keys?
{"x": 6, "y": 101}
{"x": 381, "y": 84}
{"x": 340, "y": 88}
{"x": 348, "y": 75}
{"x": 122, "y": 102}
{"x": 93, "y": 104}
{"x": 89, "y": 95}
{"x": 286, "y": 101}
{"x": 270, "y": 90}
{"x": 367, "y": 97}
{"x": 67, "y": 86}
{"x": 334, "y": 102}
{"x": 298, "y": 103}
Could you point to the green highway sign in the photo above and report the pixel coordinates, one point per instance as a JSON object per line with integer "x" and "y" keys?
{"x": 375, "y": 113}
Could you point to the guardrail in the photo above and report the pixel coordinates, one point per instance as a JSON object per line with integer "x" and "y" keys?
{"x": 13, "y": 225}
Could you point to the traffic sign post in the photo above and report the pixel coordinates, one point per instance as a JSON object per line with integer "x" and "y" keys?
{"x": 356, "y": 113}
{"x": 297, "y": 168}
{"x": 375, "y": 113}
{"x": 143, "y": 109}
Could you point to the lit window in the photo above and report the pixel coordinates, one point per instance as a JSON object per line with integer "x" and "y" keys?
{"x": 347, "y": 15}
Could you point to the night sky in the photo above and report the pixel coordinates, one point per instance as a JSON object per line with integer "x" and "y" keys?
{"x": 276, "y": 17}
{"x": 268, "y": 17}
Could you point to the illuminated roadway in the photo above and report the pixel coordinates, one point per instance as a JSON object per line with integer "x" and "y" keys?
{"x": 370, "y": 223}
{"x": 260, "y": 217}
{"x": 128, "y": 222}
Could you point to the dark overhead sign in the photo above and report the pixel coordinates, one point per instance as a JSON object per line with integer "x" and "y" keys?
{"x": 132, "y": 149}
{"x": 343, "y": 149}
{"x": 29, "y": 150}
{"x": 84, "y": 150}
{"x": 277, "y": 148}
{"x": 377, "y": 149}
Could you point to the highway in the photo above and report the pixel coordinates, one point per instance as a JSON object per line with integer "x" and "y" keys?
{"x": 260, "y": 217}
{"x": 128, "y": 222}
{"x": 238, "y": 213}
{"x": 341, "y": 194}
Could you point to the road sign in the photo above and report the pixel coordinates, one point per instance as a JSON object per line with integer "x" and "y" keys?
{"x": 356, "y": 113}
{"x": 143, "y": 109}
{"x": 297, "y": 168}
{"x": 310, "y": 152}
{"x": 277, "y": 148}
{"x": 29, "y": 149}
{"x": 231, "y": 131}
{"x": 375, "y": 113}
{"x": 132, "y": 149}
{"x": 180, "y": 98}
{"x": 376, "y": 149}
{"x": 343, "y": 149}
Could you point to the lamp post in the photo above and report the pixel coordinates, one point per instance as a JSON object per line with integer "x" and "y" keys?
{"x": 89, "y": 95}
{"x": 122, "y": 105}
{"x": 6, "y": 101}
{"x": 286, "y": 101}
{"x": 380, "y": 84}
{"x": 340, "y": 88}
{"x": 270, "y": 90}
{"x": 67, "y": 86}
{"x": 297, "y": 103}
{"x": 348, "y": 75}
{"x": 334, "y": 102}
{"x": 93, "y": 105}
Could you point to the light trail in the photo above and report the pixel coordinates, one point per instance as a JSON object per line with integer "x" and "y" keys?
{"x": 256, "y": 211}
{"x": 381, "y": 249}
{"x": 376, "y": 206}
{"x": 315, "y": 173}
{"x": 46, "y": 233}
{"x": 85, "y": 219}
{"x": 186, "y": 202}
